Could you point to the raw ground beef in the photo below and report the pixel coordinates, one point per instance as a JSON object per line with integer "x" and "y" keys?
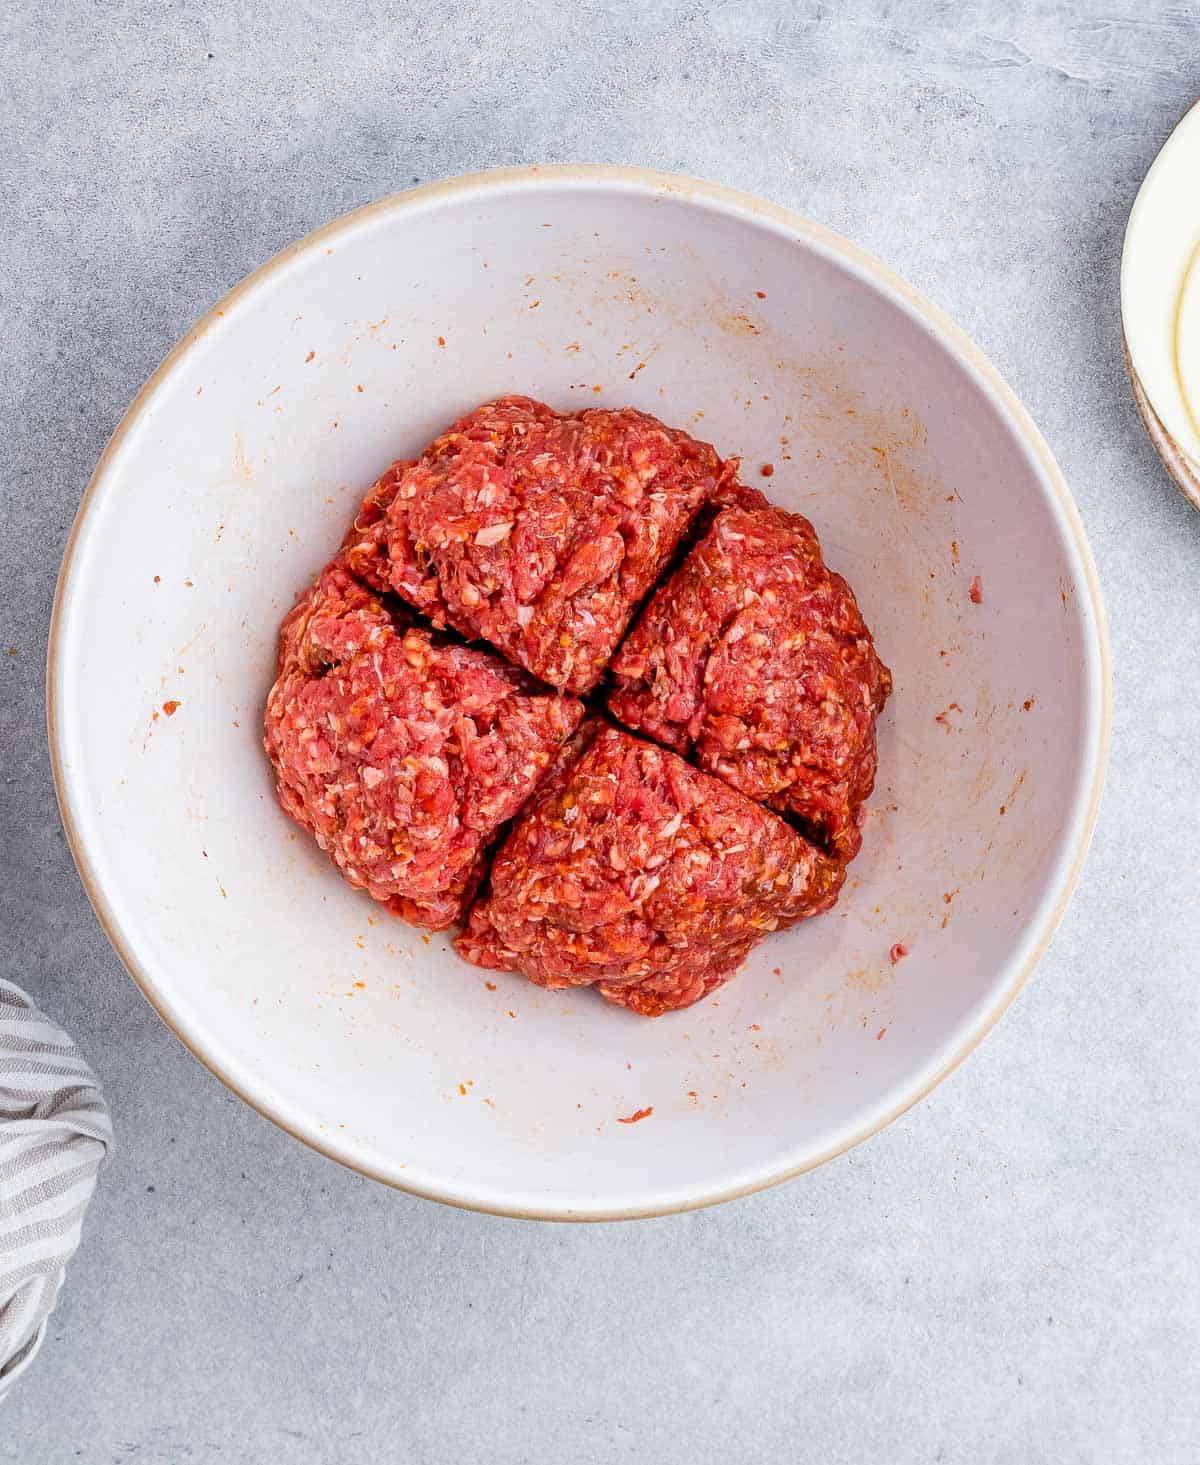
{"x": 753, "y": 660}
{"x": 408, "y": 755}
{"x": 404, "y": 755}
{"x": 541, "y": 532}
{"x": 632, "y": 870}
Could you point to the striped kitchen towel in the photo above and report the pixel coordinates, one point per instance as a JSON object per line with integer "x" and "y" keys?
{"x": 54, "y": 1132}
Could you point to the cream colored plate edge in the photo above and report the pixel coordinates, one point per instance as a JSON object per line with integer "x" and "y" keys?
{"x": 1157, "y": 267}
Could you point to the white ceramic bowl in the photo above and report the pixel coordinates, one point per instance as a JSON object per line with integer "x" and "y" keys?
{"x": 229, "y": 483}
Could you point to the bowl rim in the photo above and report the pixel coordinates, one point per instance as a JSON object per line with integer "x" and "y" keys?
{"x": 722, "y": 199}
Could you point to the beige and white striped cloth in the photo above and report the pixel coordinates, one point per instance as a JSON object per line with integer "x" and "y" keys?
{"x": 54, "y": 1133}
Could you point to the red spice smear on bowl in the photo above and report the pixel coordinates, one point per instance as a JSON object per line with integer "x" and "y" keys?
{"x": 636, "y": 872}
{"x": 172, "y": 707}
{"x": 976, "y": 591}
{"x": 897, "y": 952}
{"x": 636, "y": 1115}
{"x": 541, "y": 532}
{"x": 754, "y": 661}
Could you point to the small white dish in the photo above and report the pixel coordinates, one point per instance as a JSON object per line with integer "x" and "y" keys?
{"x": 229, "y": 483}
{"x": 1160, "y": 303}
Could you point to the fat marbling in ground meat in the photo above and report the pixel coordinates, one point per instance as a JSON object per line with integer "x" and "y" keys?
{"x": 753, "y": 660}
{"x": 541, "y": 532}
{"x": 634, "y": 871}
{"x": 402, "y": 754}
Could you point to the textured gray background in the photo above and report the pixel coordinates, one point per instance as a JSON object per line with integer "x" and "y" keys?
{"x": 1010, "y": 1273}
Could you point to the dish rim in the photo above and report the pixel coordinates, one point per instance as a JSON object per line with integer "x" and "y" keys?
{"x": 1180, "y": 465}
{"x": 720, "y": 198}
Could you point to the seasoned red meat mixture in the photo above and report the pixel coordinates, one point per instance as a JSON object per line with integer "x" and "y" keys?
{"x": 753, "y": 660}
{"x": 403, "y": 755}
{"x": 364, "y": 546}
{"x": 542, "y": 532}
{"x": 634, "y": 871}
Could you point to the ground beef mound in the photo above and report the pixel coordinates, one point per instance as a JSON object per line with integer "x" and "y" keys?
{"x": 634, "y": 871}
{"x": 753, "y": 660}
{"x": 627, "y": 864}
{"x": 404, "y": 755}
{"x": 540, "y": 532}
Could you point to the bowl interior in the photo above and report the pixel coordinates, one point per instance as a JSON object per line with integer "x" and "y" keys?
{"x": 230, "y": 484}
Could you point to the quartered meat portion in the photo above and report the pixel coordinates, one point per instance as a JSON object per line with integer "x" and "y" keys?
{"x": 540, "y": 532}
{"x": 402, "y": 754}
{"x": 634, "y": 871}
{"x": 753, "y": 661}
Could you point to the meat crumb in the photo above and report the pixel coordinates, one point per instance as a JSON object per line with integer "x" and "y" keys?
{"x": 171, "y": 707}
{"x": 636, "y": 1115}
{"x": 1027, "y": 704}
{"x": 762, "y": 294}
{"x": 767, "y": 470}
{"x": 976, "y": 591}
{"x": 491, "y": 986}
{"x": 880, "y": 1034}
{"x": 897, "y": 952}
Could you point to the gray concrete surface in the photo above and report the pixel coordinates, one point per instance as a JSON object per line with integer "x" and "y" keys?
{"x": 1010, "y": 1273}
